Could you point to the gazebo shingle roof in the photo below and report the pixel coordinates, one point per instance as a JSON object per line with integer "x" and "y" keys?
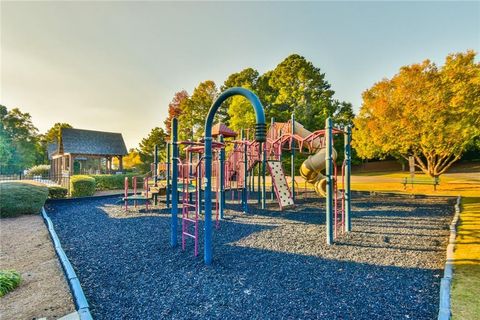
{"x": 89, "y": 142}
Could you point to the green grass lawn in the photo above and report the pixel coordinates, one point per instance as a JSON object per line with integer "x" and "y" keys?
{"x": 466, "y": 282}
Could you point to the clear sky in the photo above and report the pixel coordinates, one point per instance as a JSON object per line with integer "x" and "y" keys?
{"x": 114, "y": 66}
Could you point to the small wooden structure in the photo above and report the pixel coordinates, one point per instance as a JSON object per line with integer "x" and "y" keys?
{"x": 81, "y": 145}
{"x": 222, "y": 129}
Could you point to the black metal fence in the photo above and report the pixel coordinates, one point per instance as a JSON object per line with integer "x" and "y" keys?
{"x": 48, "y": 178}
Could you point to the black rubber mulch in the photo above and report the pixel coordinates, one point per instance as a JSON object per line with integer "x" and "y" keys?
{"x": 268, "y": 264}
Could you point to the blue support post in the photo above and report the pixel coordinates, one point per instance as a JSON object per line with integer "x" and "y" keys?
{"x": 168, "y": 187}
{"x": 221, "y": 203}
{"x": 174, "y": 210}
{"x": 245, "y": 168}
{"x": 348, "y": 169}
{"x": 259, "y": 136}
{"x": 292, "y": 162}
{"x": 329, "y": 177}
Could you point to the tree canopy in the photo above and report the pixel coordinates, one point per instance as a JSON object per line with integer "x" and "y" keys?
{"x": 175, "y": 108}
{"x": 53, "y": 133}
{"x": 431, "y": 113}
{"x": 195, "y": 110}
{"x": 294, "y": 86}
{"x": 18, "y": 138}
{"x": 157, "y": 136}
{"x": 240, "y": 113}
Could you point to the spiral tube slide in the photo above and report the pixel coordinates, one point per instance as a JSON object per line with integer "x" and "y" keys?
{"x": 312, "y": 167}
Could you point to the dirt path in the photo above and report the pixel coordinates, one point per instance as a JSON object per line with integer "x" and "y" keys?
{"x": 27, "y": 248}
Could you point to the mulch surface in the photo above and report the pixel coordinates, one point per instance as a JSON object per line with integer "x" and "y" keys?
{"x": 267, "y": 264}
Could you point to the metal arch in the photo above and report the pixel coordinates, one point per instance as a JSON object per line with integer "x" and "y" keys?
{"x": 260, "y": 136}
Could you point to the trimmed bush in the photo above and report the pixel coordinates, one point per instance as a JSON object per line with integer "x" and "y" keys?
{"x": 115, "y": 181}
{"x": 21, "y": 197}
{"x": 57, "y": 192}
{"x": 82, "y": 186}
{"x": 9, "y": 280}
{"x": 40, "y": 170}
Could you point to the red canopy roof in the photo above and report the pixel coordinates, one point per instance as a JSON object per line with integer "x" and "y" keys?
{"x": 222, "y": 129}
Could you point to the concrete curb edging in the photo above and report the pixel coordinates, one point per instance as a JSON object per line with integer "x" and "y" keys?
{"x": 445, "y": 311}
{"x": 81, "y": 303}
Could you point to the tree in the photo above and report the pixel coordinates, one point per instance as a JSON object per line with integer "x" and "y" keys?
{"x": 297, "y": 86}
{"x": 240, "y": 113}
{"x": 53, "y": 134}
{"x": 175, "y": 108}
{"x": 427, "y": 112}
{"x": 147, "y": 147}
{"x": 18, "y": 138}
{"x": 195, "y": 110}
{"x": 131, "y": 160}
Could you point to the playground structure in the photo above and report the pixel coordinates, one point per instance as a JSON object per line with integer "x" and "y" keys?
{"x": 211, "y": 168}
{"x": 136, "y": 197}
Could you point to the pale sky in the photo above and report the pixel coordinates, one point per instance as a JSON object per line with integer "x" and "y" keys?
{"x": 115, "y": 66}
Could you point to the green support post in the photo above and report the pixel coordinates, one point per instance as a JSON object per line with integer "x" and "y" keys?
{"x": 329, "y": 177}
{"x": 348, "y": 164}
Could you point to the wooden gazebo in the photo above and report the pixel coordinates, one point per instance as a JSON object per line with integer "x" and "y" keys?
{"x": 80, "y": 145}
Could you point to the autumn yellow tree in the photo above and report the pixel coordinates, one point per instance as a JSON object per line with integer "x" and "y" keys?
{"x": 130, "y": 161}
{"x": 431, "y": 113}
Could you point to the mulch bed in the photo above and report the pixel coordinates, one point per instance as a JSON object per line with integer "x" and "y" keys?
{"x": 267, "y": 264}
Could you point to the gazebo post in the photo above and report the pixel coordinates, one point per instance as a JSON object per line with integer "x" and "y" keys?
{"x": 120, "y": 163}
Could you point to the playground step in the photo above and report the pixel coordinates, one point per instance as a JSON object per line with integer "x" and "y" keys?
{"x": 284, "y": 196}
{"x": 190, "y": 235}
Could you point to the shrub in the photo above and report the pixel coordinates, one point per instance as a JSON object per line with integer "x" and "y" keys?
{"x": 82, "y": 186}
{"x": 115, "y": 181}
{"x": 57, "y": 192}
{"x": 21, "y": 197}
{"x": 9, "y": 280}
{"x": 40, "y": 170}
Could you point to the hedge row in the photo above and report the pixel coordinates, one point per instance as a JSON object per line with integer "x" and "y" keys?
{"x": 82, "y": 186}
{"x": 115, "y": 181}
{"x": 21, "y": 197}
{"x": 57, "y": 192}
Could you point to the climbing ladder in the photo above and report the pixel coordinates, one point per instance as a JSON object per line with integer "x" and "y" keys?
{"x": 284, "y": 195}
{"x": 190, "y": 206}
